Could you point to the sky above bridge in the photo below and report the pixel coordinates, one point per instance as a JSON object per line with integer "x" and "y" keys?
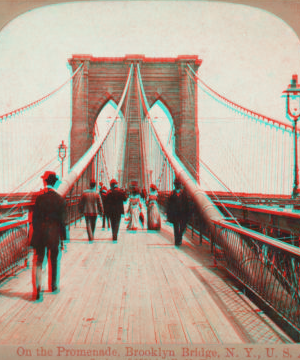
{"x": 248, "y": 56}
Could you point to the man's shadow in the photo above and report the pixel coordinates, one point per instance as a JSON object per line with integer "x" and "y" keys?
{"x": 27, "y": 296}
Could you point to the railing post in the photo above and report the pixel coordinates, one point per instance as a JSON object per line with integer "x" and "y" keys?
{"x": 76, "y": 196}
{"x": 210, "y": 231}
{"x": 193, "y": 224}
{"x": 200, "y": 230}
{"x": 213, "y": 248}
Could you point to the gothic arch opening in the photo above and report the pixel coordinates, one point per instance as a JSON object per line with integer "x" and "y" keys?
{"x": 155, "y": 75}
{"x": 109, "y": 166}
{"x": 163, "y": 123}
{"x": 106, "y": 116}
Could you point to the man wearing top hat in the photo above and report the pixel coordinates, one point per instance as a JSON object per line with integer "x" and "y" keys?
{"x": 178, "y": 211}
{"x": 91, "y": 205}
{"x": 115, "y": 207}
{"x": 49, "y": 230}
{"x": 103, "y": 193}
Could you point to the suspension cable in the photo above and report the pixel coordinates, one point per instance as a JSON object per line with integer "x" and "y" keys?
{"x": 145, "y": 102}
{"x": 122, "y": 155}
{"x": 145, "y": 151}
{"x": 28, "y": 180}
{"x": 37, "y": 102}
{"x": 239, "y": 108}
{"x": 28, "y": 194}
{"x": 83, "y": 163}
{"x": 223, "y": 206}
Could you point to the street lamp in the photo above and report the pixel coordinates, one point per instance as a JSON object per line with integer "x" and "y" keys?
{"x": 293, "y": 113}
{"x": 62, "y": 151}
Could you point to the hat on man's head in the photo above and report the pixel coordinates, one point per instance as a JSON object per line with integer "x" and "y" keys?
{"x": 135, "y": 190}
{"x": 113, "y": 183}
{"x": 50, "y": 177}
{"x": 177, "y": 181}
{"x": 92, "y": 183}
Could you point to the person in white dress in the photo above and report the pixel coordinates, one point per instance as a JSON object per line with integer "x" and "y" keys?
{"x": 134, "y": 210}
{"x": 153, "y": 214}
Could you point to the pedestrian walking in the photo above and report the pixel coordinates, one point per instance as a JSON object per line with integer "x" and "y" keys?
{"x": 153, "y": 214}
{"x": 103, "y": 194}
{"x": 115, "y": 207}
{"x": 49, "y": 232}
{"x": 178, "y": 211}
{"x": 91, "y": 205}
{"x": 144, "y": 194}
{"x": 134, "y": 210}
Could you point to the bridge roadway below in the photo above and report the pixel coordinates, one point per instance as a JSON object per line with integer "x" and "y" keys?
{"x": 140, "y": 290}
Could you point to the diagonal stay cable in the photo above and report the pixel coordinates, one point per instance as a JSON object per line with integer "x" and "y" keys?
{"x": 242, "y": 109}
{"x": 25, "y": 107}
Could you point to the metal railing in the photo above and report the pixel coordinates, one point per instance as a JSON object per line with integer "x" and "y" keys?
{"x": 268, "y": 267}
{"x": 14, "y": 243}
{"x": 15, "y": 235}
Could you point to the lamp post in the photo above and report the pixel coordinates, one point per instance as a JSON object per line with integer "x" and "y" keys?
{"x": 293, "y": 113}
{"x": 62, "y": 151}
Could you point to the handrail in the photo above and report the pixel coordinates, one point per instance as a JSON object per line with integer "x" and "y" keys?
{"x": 239, "y": 251}
{"x": 280, "y": 245}
{"x": 259, "y": 208}
{"x": 11, "y": 224}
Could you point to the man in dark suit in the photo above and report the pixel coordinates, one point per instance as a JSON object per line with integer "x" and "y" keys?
{"x": 115, "y": 207}
{"x": 49, "y": 230}
{"x": 178, "y": 211}
{"x": 103, "y": 194}
{"x": 90, "y": 205}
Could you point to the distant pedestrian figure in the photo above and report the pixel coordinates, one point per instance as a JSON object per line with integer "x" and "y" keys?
{"x": 103, "y": 194}
{"x": 178, "y": 211}
{"x": 153, "y": 214}
{"x": 134, "y": 210}
{"x": 90, "y": 205}
{"x": 49, "y": 230}
{"x": 115, "y": 207}
{"x": 144, "y": 194}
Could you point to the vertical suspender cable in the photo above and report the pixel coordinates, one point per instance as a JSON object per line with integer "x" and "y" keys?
{"x": 275, "y": 160}
{"x": 290, "y": 162}
{"x": 267, "y": 162}
{"x": 260, "y": 159}
{"x": 284, "y": 163}
{"x": 280, "y": 162}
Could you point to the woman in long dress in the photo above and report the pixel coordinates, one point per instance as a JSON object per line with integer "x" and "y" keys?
{"x": 153, "y": 214}
{"x": 134, "y": 210}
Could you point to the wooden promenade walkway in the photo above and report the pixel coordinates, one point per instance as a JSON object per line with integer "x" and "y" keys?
{"x": 140, "y": 290}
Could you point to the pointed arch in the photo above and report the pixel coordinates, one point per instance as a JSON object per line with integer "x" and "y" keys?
{"x": 109, "y": 100}
{"x": 161, "y": 114}
{"x": 164, "y": 105}
{"x": 108, "y": 109}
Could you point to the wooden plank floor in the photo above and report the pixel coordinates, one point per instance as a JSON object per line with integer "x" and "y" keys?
{"x": 139, "y": 290}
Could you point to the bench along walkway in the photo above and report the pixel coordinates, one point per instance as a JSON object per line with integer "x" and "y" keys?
{"x": 141, "y": 289}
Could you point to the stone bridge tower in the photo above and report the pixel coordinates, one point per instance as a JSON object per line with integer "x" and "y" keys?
{"x": 164, "y": 79}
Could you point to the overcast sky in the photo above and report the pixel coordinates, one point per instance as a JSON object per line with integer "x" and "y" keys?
{"x": 248, "y": 54}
